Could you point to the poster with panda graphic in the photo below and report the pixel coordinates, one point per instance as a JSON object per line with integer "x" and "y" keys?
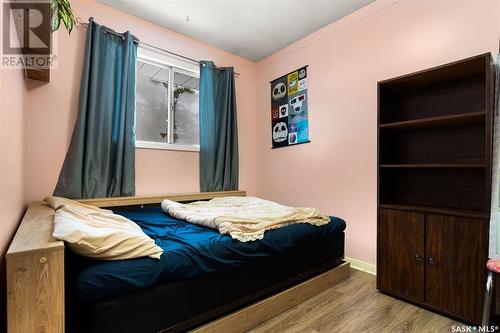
{"x": 289, "y": 112}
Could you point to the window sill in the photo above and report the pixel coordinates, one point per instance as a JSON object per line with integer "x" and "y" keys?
{"x": 166, "y": 146}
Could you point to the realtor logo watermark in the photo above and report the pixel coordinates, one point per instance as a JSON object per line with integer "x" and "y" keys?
{"x": 27, "y": 41}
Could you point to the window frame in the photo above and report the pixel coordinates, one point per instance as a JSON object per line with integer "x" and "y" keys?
{"x": 174, "y": 65}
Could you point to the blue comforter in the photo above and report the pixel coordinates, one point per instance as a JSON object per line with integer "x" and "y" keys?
{"x": 189, "y": 250}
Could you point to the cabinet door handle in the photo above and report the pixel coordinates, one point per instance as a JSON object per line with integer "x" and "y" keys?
{"x": 432, "y": 260}
{"x": 418, "y": 257}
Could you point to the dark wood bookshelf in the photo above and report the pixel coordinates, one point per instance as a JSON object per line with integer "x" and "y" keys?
{"x": 434, "y": 165}
{"x": 435, "y": 132}
{"x": 459, "y": 69}
{"x": 438, "y": 210}
{"x": 456, "y": 119}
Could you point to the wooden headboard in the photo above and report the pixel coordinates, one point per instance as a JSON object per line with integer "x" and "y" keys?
{"x": 35, "y": 263}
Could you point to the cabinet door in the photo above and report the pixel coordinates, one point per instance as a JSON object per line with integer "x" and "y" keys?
{"x": 401, "y": 257}
{"x": 456, "y": 264}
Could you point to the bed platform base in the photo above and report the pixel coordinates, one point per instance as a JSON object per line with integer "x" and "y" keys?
{"x": 35, "y": 274}
{"x": 257, "y": 313}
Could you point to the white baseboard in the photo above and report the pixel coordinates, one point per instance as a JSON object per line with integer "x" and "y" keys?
{"x": 362, "y": 266}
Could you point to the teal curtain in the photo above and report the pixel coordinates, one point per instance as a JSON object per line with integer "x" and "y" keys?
{"x": 218, "y": 129}
{"x": 100, "y": 161}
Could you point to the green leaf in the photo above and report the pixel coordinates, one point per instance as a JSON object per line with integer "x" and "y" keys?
{"x": 61, "y": 11}
{"x": 56, "y": 22}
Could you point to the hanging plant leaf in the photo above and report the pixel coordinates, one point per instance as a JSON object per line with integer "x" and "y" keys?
{"x": 55, "y": 21}
{"x": 61, "y": 11}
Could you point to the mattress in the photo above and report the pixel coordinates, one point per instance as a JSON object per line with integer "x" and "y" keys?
{"x": 190, "y": 251}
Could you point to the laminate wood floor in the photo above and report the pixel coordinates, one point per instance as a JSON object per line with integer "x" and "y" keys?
{"x": 355, "y": 305}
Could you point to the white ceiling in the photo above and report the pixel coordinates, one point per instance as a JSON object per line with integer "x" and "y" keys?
{"x": 252, "y": 29}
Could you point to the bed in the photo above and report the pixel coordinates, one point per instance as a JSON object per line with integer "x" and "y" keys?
{"x": 204, "y": 281}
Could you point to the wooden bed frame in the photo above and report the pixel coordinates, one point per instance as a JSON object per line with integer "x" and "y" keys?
{"x": 35, "y": 273}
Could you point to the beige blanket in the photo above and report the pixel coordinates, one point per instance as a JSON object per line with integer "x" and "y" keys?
{"x": 243, "y": 218}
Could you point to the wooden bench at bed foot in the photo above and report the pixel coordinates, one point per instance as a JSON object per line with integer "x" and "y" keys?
{"x": 253, "y": 315}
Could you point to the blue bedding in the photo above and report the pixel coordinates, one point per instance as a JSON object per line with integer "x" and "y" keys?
{"x": 189, "y": 250}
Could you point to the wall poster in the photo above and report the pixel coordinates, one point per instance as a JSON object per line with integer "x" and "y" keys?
{"x": 289, "y": 112}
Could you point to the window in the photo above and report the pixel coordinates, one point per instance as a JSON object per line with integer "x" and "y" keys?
{"x": 167, "y": 98}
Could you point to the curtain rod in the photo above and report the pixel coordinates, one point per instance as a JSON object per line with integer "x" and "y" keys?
{"x": 78, "y": 21}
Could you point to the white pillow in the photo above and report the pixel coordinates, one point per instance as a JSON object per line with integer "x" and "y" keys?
{"x": 99, "y": 233}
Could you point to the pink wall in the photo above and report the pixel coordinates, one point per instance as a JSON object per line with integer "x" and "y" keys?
{"x": 12, "y": 165}
{"x": 337, "y": 171}
{"x": 52, "y": 110}
{"x": 12, "y": 162}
